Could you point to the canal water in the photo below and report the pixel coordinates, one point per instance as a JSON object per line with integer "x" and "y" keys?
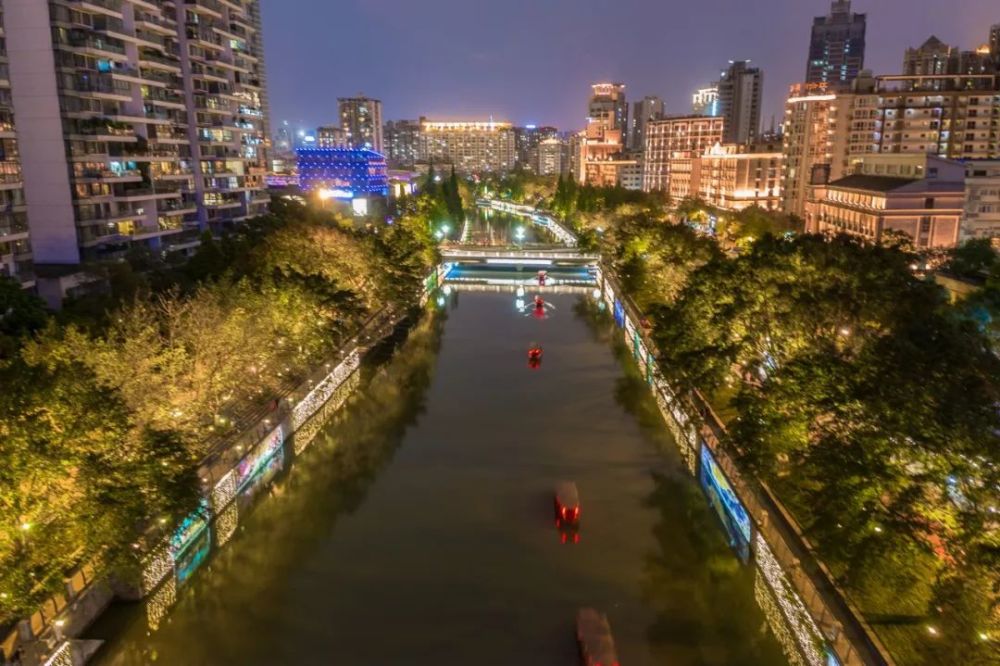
{"x": 418, "y": 528}
{"x": 498, "y": 229}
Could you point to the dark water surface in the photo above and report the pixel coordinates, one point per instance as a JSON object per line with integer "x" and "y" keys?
{"x": 418, "y": 528}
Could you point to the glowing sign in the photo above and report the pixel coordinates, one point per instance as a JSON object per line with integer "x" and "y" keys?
{"x": 725, "y": 502}
{"x": 259, "y": 457}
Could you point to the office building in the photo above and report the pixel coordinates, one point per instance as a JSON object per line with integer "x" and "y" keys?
{"x": 919, "y": 195}
{"x": 837, "y": 46}
{"x": 740, "y": 90}
{"x": 361, "y": 117}
{"x": 329, "y": 136}
{"x": 470, "y": 146}
{"x": 401, "y": 141}
{"x": 149, "y": 127}
{"x": 705, "y": 101}
{"x": 648, "y": 108}
{"x": 981, "y": 216}
{"x": 994, "y": 43}
{"x": 671, "y": 144}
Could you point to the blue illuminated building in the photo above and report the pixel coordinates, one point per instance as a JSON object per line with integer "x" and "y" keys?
{"x": 347, "y": 173}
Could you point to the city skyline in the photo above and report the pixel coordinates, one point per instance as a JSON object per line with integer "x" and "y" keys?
{"x": 543, "y": 76}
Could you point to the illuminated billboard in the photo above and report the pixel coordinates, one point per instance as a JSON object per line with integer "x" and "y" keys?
{"x": 723, "y": 499}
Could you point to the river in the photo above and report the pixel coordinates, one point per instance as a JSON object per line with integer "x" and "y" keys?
{"x": 418, "y": 528}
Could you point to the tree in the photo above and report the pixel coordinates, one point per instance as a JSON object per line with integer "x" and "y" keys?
{"x": 974, "y": 258}
{"x": 21, "y": 315}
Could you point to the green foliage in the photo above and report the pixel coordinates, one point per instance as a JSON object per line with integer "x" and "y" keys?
{"x": 21, "y": 314}
{"x": 973, "y": 259}
{"x": 867, "y": 401}
{"x": 105, "y": 413}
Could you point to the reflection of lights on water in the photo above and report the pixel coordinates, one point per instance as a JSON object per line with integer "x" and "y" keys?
{"x": 519, "y": 303}
{"x": 601, "y": 306}
{"x": 520, "y": 291}
{"x": 519, "y": 233}
{"x": 447, "y": 290}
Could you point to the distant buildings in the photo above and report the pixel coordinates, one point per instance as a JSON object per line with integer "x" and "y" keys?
{"x": 601, "y": 145}
{"x": 550, "y": 157}
{"x": 361, "y": 118}
{"x": 470, "y": 146}
{"x": 705, "y": 101}
{"x": 648, "y": 108}
{"x": 740, "y": 90}
{"x": 837, "y": 46}
{"x": 811, "y": 117}
{"x": 607, "y": 106}
{"x": 331, "y": 137}
{"x": 935, "y": 58}
{"x": 402, "y": 143}
{"x": 527, "y": 140}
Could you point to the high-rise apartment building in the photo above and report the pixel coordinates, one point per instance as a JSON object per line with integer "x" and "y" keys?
{"x": 471, "y": 147}
{"x": 935, "y": 58}
{"x": 402, "y": 143}
{"x": 361, "y": 117}
{"x": 809, "y": 130}
{"x": 329, "y": 136}
{"x": 550, "y": 157}
{"x": 608, "y": 107}
{"x": 705, "y": 101}
{"x": 828, "y": 133}
{"x": 671, "y": 144}
{"x": 138, "y": 122}
{"x": 15, "y": 247}
{"x": 601, "y": 144}
{"x": 648, "y": 108}
{"x": 994, "y": 43}
{"x": 837, "y": 46}
{"x": 740, "y": 91}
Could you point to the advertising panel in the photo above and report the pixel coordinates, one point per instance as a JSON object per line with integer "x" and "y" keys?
{"x": 191, "y": 543}
{"x": 259, "y": 457}
{"x": 723, "y": 499}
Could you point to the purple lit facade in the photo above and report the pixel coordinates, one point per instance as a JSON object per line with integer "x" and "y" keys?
{"x": 349, "y": 173}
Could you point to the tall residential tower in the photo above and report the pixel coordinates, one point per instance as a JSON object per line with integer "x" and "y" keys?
{"x": 361, "y": 117}
{"x": 139, "y": 122}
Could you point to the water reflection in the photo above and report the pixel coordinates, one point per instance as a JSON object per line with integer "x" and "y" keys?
{"x": 419, "y": 529}
{"x": 330, "y": 480}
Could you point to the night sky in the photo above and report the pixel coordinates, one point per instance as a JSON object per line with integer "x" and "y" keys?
{"x": 531, "y": 61}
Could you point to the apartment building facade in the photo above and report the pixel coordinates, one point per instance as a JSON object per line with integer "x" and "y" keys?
{"x": 139, "y": 122}
{"x": 471, "y": 146}
{"x": 670, "y": 145}
{"x": 15, "y": 245}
